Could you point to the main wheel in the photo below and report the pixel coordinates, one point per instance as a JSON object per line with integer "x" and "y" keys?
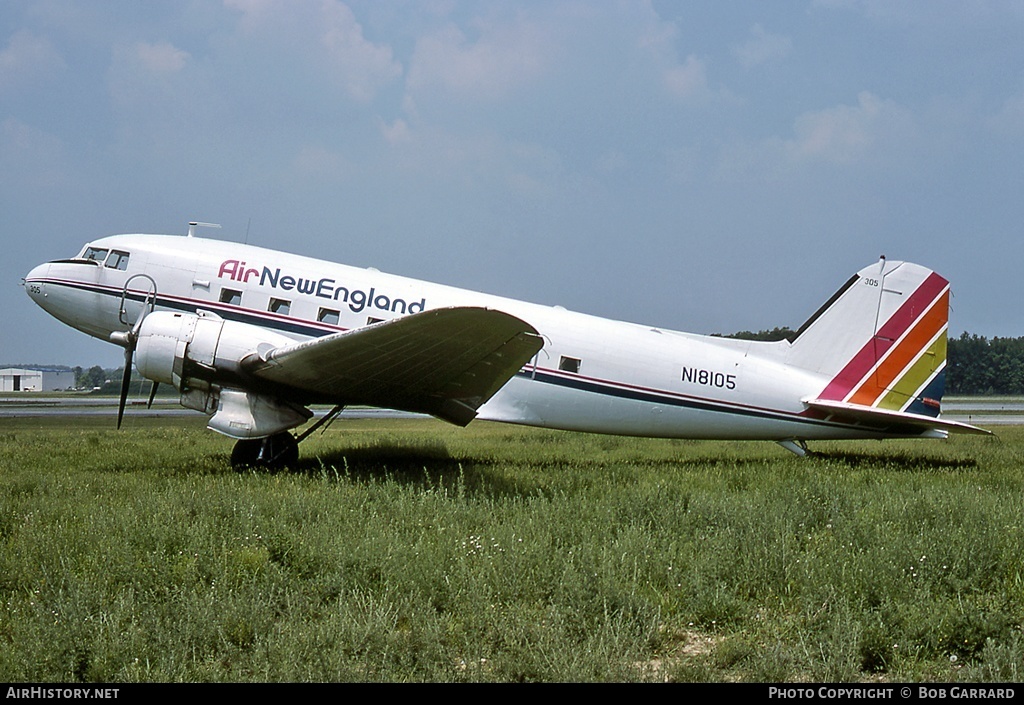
{"x": 271, "y": 453}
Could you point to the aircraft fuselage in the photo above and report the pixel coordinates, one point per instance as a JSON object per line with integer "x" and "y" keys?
{"x": 592, "y": 374}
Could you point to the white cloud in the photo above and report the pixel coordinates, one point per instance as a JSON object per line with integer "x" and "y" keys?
{"x": 162, "y": 103}
{"x": 147, "y": 76}
{"x": 318, "y": 161}
{"x": 955, "y": 14}
{"x": 329, "y": 37}
{"x": 762, "y": 48}
{"x": 840, "y": 134}
{"x": 396, "y": 132}
{"x": 503, "y": 58}
{"x": 255, "y": 13}
{"x": 687, "y": 79}
{"x": 27, "y": 58}
{"x": 846, "y": 134}
{"x": 162, "y": 57}
{"x": 361, "y": 65}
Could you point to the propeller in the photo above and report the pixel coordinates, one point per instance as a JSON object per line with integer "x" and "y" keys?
{"x": 126, "y": 379}
{"x": 129, "y": 340}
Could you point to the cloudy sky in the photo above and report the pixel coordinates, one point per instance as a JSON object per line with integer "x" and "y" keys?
{"x": 704, "y": 166}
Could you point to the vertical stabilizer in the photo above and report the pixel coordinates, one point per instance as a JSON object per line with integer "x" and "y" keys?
{"x": 881, "y": 340}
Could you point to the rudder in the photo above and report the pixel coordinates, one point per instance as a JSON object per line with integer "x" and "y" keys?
{"x": 881, "y": 340}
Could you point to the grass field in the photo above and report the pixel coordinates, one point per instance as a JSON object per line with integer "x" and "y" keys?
{"x": 410, "y": 550}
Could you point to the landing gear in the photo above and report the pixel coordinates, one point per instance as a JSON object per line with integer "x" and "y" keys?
{"x": 278, "y": 451}
{"x": 272, "y": 453}
{"x": 796, "y": 446}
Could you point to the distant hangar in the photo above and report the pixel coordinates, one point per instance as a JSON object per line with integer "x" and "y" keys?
{"x": 14, "y": 379}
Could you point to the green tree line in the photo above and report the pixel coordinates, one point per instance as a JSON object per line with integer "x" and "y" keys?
{"x": 979, "y": 365}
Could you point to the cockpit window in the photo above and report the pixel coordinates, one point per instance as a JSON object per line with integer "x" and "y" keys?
{"x": 118, "y": 260}
{"x": 96, "y": 254}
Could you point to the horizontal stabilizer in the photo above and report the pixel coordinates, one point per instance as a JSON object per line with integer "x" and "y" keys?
{"x": 874, "y": 415}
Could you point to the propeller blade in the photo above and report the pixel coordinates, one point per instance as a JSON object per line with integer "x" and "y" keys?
{"x": 125, "y": 381}
{"x": 129, "y": 339}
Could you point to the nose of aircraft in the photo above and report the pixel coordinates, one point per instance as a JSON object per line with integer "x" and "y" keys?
{"x": 33, "y": 283}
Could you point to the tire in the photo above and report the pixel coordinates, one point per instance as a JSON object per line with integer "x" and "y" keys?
{"x": 272, "y": 453}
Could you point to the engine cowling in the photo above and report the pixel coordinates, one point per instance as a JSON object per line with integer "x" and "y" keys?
{"x": 200, "y": 355}
{"x": 175, "y": 348}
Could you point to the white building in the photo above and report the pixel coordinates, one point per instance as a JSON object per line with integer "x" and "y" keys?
{"x": 13, "y": 379}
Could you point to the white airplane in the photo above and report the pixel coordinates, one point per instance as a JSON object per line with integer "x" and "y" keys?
{"x": 253, "y": 336}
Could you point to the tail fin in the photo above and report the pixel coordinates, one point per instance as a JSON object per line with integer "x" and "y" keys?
{"x": 881, "y": 340}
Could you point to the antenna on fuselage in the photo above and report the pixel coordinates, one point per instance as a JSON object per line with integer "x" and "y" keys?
{"x": 192, "y": 227}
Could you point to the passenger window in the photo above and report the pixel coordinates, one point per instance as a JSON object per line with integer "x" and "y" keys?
{"x": 280, "y": 306}
{"x": 371, "y": 320}
{"x": 117, "y": 260}
{"x": 230, "y": 296}
{"x": 328, "y": 315}
{"x": 569, "y": 364}
{"x": 96, "y": 254}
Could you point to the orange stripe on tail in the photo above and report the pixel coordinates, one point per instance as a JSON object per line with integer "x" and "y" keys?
{"x": 901, "y": 358}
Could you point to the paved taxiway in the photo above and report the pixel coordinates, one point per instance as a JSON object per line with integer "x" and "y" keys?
{"x": 1001, "y": 411}
{"x": 26, "y": 405}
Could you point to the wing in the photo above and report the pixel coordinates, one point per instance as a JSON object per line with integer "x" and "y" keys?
{"x": 872, "y": 414}
{"x": 446, "y": 362}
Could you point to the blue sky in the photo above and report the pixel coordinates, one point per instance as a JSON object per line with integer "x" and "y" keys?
{"x": 702, "y": 166}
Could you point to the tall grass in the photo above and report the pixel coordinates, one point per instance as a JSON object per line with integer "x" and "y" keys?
{"x": 408, "y": 550}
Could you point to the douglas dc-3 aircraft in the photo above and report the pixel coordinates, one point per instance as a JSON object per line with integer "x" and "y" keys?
{"x": 253, "y": 336}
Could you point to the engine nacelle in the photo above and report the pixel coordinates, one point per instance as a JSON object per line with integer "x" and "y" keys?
{"x": 200, "y": 355}
{"x": 174, "y": 348}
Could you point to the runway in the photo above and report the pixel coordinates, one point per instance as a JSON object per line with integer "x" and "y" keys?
{"x": 985, "y": 411}
{"x": 27, "y": 406}
{"x": 979, "y": 411}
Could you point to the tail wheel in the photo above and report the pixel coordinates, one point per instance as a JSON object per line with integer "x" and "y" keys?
{"x": 272, "y": 453}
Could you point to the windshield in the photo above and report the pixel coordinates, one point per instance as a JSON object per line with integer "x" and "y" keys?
{"x": 96, "y": 254}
